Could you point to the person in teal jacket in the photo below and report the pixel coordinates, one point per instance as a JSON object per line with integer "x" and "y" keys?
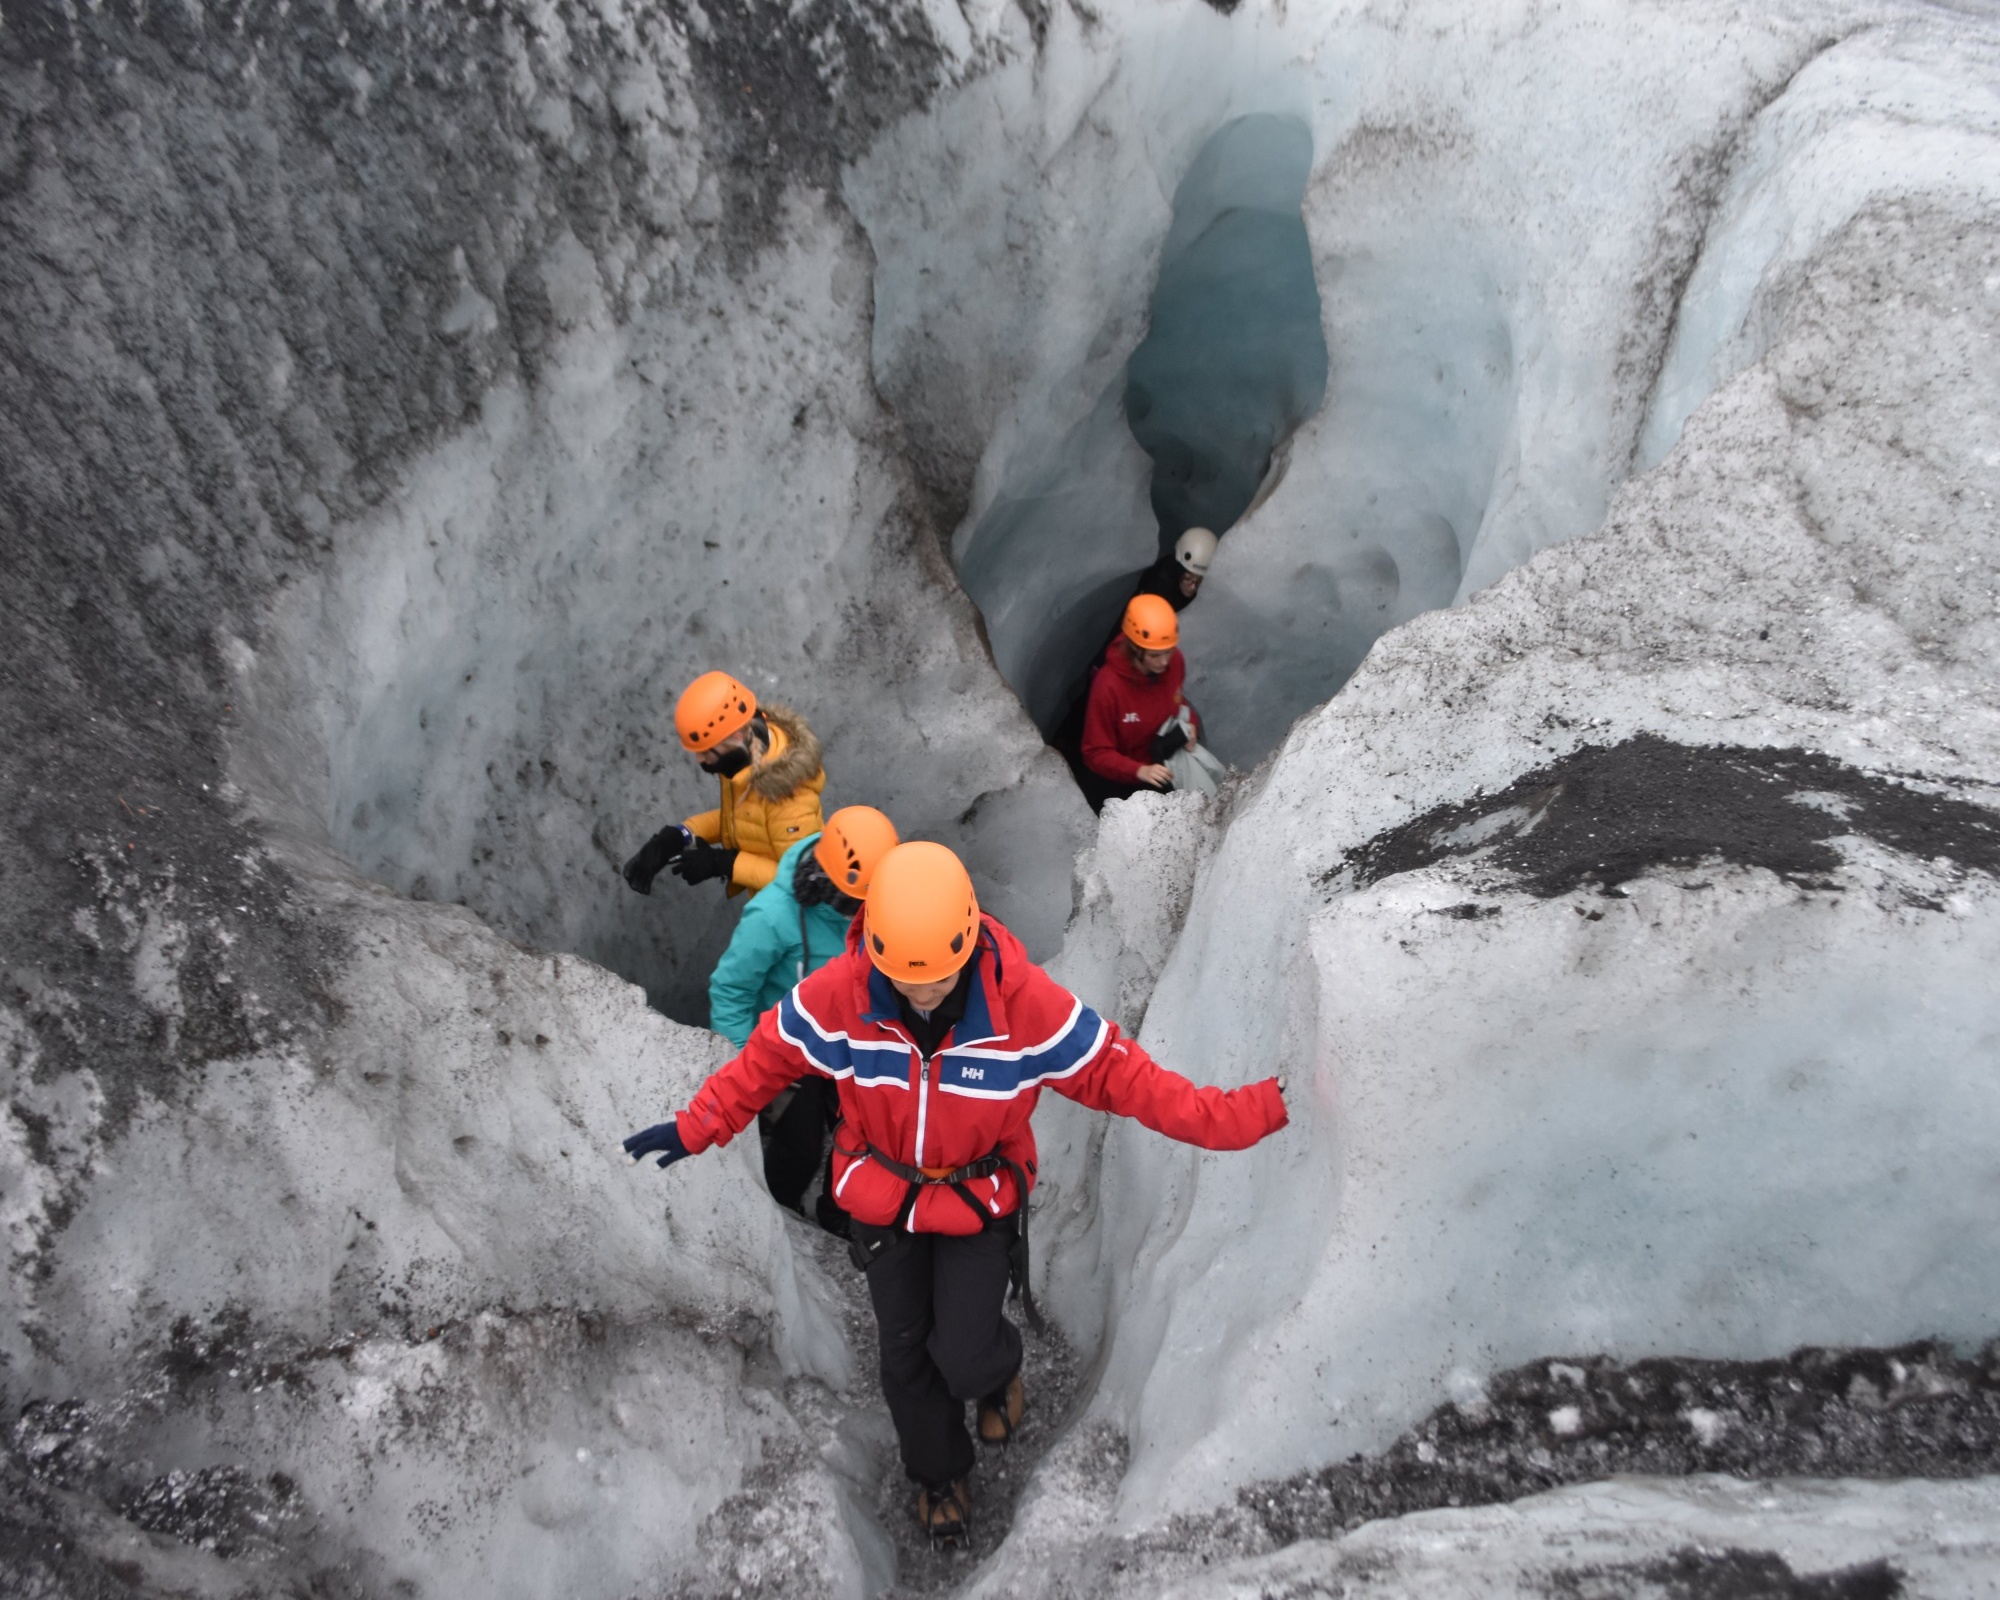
{"x": 792, "y": 926}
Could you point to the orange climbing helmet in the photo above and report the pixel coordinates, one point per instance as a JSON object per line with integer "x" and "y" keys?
{"x": 1150, "y": 623}
{"x": 711, "y": 708}
{"x": 922, "y": 916}
{"x": 851, "y": 846}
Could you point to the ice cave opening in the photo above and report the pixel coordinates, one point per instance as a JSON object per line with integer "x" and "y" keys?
{"x": 1403, "y": 374}
{"x": 1232, "y": 362}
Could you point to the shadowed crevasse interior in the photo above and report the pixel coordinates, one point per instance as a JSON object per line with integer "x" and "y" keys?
{"x": 1234, "y": 360}
{"x": 1232, "y": 363}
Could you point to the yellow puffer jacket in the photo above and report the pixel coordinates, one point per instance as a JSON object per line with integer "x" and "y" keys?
{"x": 769, "y": 806}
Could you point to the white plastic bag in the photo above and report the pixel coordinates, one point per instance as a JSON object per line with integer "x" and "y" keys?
{"x": 1195, "y": 770}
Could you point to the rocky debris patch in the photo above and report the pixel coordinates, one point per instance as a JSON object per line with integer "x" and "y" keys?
{"x": 55, "y": 1441}
{"x": 219, "y": 1508}
{"x": 40, "y": 1554}
{"x": 1918, "y": 1411}
{"x": 217, "y": 1453}
{"x": 1698, "y": 1574}
{"x": 797, "y": 102}
{"x": 1609, "y": 813}
{"x": 760, "y": 1546}
{"x": 1900, "y": 1416}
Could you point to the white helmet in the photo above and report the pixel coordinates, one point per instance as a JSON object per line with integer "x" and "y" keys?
{"x": 1194, "y": 550}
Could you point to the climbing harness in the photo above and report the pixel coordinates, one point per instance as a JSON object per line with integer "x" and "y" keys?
{"x": 865, "y": 1247}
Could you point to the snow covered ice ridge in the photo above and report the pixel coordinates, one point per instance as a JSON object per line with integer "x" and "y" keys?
{"x": 1782, "y": 1129}
{"x": 407, "y": 403}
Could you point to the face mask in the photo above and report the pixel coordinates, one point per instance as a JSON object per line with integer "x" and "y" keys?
{"x": 726, "y": 764}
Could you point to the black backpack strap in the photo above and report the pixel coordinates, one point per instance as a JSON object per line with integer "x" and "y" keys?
{"x": 1018, "y": 1262}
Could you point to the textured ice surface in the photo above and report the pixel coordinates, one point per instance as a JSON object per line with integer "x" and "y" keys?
{"x": 1526, "y": 287}
{"x": 491, "y": 664}
{"x": 1233, "y": 360}
{"x": 1640, "y": 1537}
{"x": 384, "y": 381}
{"x": 473, "y": 696}
{"x": 1781, "y": 1128}
{"x": 404, "y": 1291}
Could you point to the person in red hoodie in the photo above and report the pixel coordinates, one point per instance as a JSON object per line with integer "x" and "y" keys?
{"x": 940, "y": 1034}
{"x": 1136, "y": 690}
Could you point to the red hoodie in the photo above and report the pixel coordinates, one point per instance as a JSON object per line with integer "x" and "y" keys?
{"x": 1126, "y": 710}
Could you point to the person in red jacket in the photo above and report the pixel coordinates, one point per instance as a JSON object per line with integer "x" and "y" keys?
{"x": 940, "y": 1035}
{"x": 1134, "y": 693}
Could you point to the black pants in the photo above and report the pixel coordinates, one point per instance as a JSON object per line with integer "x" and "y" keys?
{"x": 797, "y": 1140}
{"x": 944, "y": 1341}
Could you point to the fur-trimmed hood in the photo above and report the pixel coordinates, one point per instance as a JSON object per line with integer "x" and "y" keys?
{"x": 793, "y": 759}
{"x": 767, "y": 807}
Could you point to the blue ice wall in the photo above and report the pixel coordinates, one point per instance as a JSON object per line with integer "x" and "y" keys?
{"x": 1234, "y": 359}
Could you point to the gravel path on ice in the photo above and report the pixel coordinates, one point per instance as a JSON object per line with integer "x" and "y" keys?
{"x": 1050, "y": 1377}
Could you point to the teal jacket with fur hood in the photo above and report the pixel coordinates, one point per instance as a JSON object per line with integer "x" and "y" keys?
{"x": 773, "y": 948}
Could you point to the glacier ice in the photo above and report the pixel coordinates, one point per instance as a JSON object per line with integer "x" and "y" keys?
{"x": 1781, "y": 1132}
{"x": 1641, "y": 1536}
{"x": 1498, "y": 274}
{"x": 473, "y": 700}
{"x": 410, "y": 460}
{"x": 410, "y": 1274}
{"x": 1231, "y": 363}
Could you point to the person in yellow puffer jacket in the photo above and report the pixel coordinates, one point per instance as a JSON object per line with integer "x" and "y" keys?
{"x": 769, "y": 764}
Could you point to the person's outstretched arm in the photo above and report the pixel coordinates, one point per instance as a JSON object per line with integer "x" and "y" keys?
{"x": 1119, "y": 1076}
{"x": 728, "y": 1102}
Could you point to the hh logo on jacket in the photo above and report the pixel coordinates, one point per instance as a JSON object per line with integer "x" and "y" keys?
{"x": 1130, "y": 716}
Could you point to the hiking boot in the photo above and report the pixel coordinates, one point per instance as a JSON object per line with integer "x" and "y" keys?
{"x": 946, "y": 1513}
{"x": 1000, "y": 1413}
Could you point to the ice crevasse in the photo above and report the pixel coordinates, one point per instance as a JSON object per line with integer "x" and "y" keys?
{"x": 1682, "y": 289}
{"x": 1592, "y": 1048}
{"x": 1651, "y": 485}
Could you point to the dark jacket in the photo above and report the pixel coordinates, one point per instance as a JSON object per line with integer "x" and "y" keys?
{"x": 1163, "y": 578}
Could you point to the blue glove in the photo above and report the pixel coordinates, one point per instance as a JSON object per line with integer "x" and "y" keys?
{"x": 664, "y": 1136}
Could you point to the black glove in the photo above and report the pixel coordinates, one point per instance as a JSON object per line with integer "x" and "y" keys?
{"x": 1171, "y": 743}
{"x": 654, "y": 854}
{"x": 701, "y": 861}
{"x": 662, "y": 1136}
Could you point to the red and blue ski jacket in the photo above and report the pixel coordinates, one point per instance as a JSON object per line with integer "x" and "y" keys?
{"x": 1021, "y": 1032}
